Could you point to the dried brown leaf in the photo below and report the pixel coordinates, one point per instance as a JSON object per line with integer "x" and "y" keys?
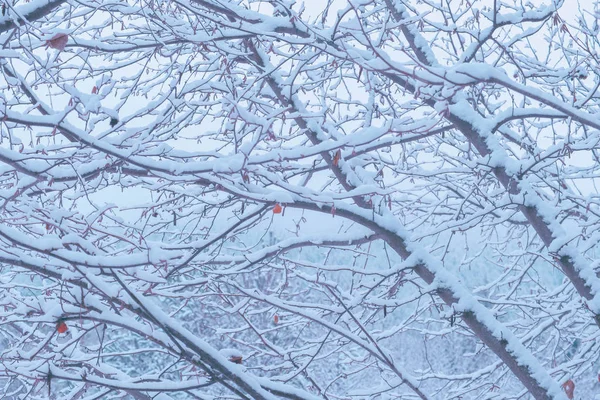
{"x": 59, "y": 41}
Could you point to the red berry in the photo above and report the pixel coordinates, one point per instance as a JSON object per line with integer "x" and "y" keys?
{"x": 61, "y": 327}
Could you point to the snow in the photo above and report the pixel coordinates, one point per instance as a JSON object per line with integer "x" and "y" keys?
{"x": 437, "y": 173}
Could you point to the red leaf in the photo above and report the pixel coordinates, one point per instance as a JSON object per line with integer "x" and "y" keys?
{"x": 61, "y": 327}
{"x": 275, "y": 319}
{"x": 336, "y": 157}
{"x": 59, "y": 41}
{"x": 569, "y": 387}
{"x": 277, "y": 209}
{"x": 236, "y": 359}
{"x": 94, "y": 90}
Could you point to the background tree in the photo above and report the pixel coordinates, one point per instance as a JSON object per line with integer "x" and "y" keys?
{"x": 304, "y": 200}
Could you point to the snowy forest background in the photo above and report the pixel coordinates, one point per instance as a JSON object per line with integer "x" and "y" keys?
{"x": 278, "y": 199}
